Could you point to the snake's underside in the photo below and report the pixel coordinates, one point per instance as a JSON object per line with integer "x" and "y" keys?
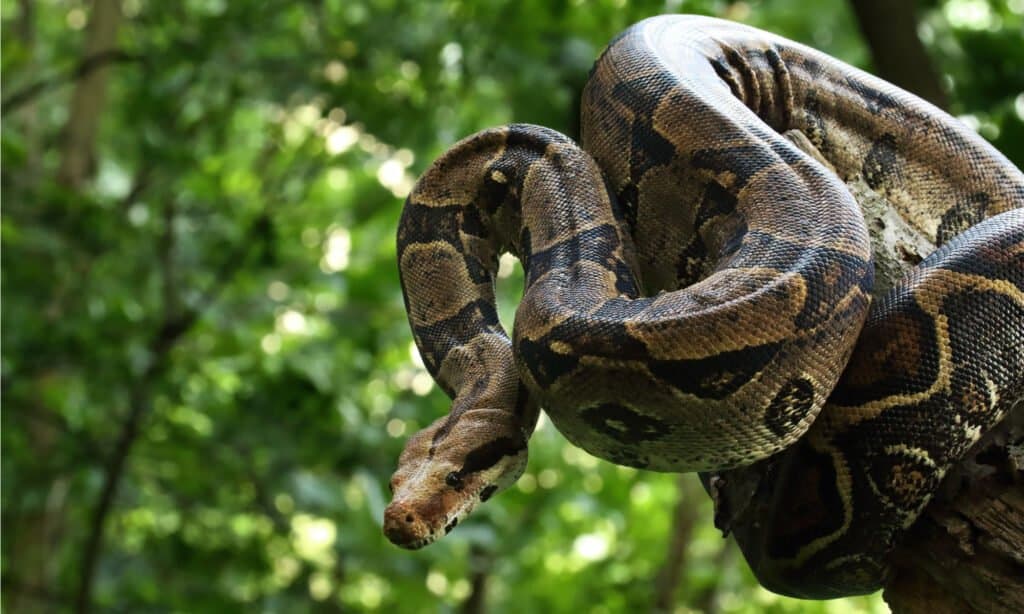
{"x": 698, "y": 296}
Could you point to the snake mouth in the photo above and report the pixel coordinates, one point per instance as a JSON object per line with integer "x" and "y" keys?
{"x": 410, "y": 538}
{"x": 413, "y": 545}
{"x": 406, "y": 528}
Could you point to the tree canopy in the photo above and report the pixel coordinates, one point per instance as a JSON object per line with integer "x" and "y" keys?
{"x": 207, "y": 373}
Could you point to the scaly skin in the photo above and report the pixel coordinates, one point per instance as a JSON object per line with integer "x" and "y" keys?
{"x": 695, "y": 286}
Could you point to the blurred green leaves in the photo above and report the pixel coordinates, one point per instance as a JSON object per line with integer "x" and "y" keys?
{"x": 230, "y": 271}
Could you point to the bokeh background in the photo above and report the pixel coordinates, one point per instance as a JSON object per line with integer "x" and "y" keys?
{"x": 207, "y": 375}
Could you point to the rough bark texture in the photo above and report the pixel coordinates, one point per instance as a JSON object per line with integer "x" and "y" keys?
{"x": 966, "y": 553}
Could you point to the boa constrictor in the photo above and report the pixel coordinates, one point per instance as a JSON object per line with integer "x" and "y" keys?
{"x": 696, "y": 284}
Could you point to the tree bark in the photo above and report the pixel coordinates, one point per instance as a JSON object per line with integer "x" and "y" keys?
{"x": 890, "y": 29}
{"x": 88, "y": 65}
{"x": 666, "y": 583}
{"x": 36, "y": 534}
{"x": 480, "y": 563}
{"x": 964, "y": 554}
{"x": 78, "y": 156}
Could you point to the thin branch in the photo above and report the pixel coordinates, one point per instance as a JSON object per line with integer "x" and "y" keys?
{"x": 169, "y": 333}
{"x": 171, "y": 330}
{"x": 26, "y": 25}
{"x": 667, "y": 582}
{"x": 81, "y": 70}
{"x": 112, "y": 476}
{"x": 75, "y": 438}
{"x": 263, "y": 499}
{"x": 140, "y": 181}
{"x": 165, "y": 250}
{"x": 708, "y": 599}
{"x": 480, "y": 562}
{"x": 11, "y": 584}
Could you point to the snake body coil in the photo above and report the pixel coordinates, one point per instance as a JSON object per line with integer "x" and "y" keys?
{"x": 697, "y": 287}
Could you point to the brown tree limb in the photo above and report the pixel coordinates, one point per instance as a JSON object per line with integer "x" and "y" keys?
{"x": 80, "y": 71}
{"x": 139, "y": 406}
{"x": 29, "y": 124}
{"x": 167, "y": 336}
{"x": 37, "y": 529}
{"x": 30, "y": 592}
{"x": 708, "y": 599}
{"x": 78, "y": 155}
{"x": 890, "y": 29}
{"x": 966, "y": 553}
{"x": 480, "y": 563}
{"x": 666, "y": 584}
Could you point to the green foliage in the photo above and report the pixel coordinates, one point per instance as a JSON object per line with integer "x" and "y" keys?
{"x": 228, "y": 278}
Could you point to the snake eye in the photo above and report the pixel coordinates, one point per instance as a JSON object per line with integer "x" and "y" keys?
{"x": 454, "y": 480}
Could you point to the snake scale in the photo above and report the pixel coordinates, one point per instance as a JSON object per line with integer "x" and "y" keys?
{"x": 698, "y": 296}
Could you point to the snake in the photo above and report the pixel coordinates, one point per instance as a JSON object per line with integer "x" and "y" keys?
{"x": 698, "y": 296}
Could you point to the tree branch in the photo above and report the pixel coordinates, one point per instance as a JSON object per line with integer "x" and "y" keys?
{"x": 140, "y": 402}
{"x": 78, "y": 155}
{"x": 667, "y": 582}
{"x": 168, "y": 334}
{"x": 34, "y": 592}
{"x": 708, "y": 599}
{"x": 480, "y": 562}
{"x": 965, "y": 553}
{"x": 79, "y": 71}
{"x": 890, "y": 29}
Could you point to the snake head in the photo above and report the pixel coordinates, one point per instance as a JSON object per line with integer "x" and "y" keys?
{"x": 447, "y": 469}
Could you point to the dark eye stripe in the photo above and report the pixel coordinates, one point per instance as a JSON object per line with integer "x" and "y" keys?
{"x": 490, "y": 453}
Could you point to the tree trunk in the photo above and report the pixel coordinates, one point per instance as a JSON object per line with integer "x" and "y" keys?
{"x": 78, "y": 157}
{"x": 480, "y": 563}
{"x": 666, "y": 583}
{"x": 890, "y": 29}
{"x": 36, "y": 532}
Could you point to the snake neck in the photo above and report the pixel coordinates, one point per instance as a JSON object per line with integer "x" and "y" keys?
{"x": 462, "y": 214}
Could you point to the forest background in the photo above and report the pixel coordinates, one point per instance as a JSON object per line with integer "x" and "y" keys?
{"x": 207, "y": 374}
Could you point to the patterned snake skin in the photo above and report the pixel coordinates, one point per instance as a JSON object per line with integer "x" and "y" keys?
{"x": 698, "y": 297}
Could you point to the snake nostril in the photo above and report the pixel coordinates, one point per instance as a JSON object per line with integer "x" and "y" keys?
{"x": 408, "y": 518}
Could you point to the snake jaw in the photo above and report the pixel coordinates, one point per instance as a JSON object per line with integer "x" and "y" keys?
{"x": 449, "y": 468}
{"x": 408, "y": 526}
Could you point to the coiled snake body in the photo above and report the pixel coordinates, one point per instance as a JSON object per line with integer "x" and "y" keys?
{"x": 697, "y": 288}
